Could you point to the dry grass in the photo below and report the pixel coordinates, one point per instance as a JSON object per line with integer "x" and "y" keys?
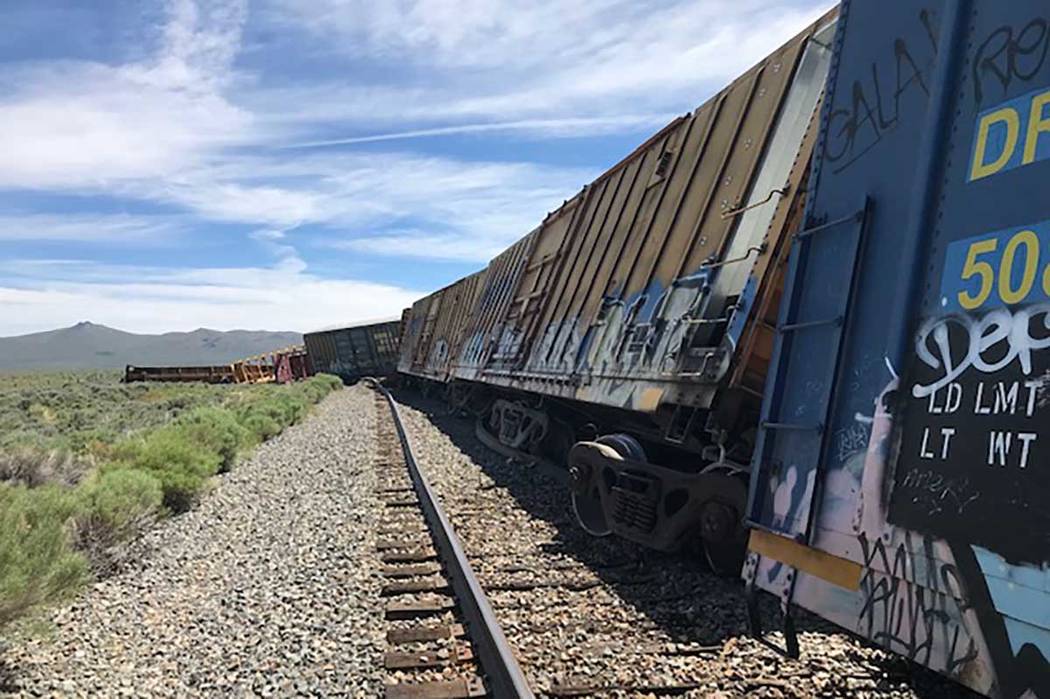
{"x": 35, "y": 467}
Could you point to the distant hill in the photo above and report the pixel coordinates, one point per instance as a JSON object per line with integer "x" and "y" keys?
{"x": 91, "y": 346}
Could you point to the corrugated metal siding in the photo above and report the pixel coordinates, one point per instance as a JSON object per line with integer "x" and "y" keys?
{"x": 412, "y": 323}
{"x": 356, "y": 351}
{"x": 439, "y": 327}
{"x": 487, "y": 319}
{"x": 611, "y": 289}
{"x": 450, "y": 326}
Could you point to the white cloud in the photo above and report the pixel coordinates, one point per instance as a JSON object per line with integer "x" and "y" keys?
{"x": 159, "y": 300}
{"x": 111, "y": 228}
{"x": 423, "y": 245}
{"x": 90, "y": 125}
{"x": 354, "y": 194}
{"x": 499, "y": 61}
{"x": 189, "y": 126}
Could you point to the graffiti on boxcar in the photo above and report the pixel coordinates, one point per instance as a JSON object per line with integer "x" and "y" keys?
{"x": 988, "y": 344}
{"x": 873, "y": 105}
{"x": 971, "y": 438}
{"x": 912, "y": 612}
{"x": 938, "y": 492}
{"x": 850, "y": 441}
{"x": 438, "y": 355}
{"x": 1007, "y": 54}
{"x": 639, "y": 336}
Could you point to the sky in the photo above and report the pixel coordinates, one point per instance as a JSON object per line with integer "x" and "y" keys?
{"x": 297, "y": 164}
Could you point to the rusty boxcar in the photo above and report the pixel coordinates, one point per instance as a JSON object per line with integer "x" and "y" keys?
{"x": 633, "y": 327}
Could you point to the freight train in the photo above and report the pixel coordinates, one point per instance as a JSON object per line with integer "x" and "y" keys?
{"x": 628, "y": 335}
{"x": 284, "y": 365}
{"x": 804, "y": 330}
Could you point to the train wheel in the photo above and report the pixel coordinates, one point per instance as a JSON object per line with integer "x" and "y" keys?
{"x": 724, "y": 539}
{"x": 723, "y": 542}
{"x": 589, "y": 512}
{"x": 587, "y": 483}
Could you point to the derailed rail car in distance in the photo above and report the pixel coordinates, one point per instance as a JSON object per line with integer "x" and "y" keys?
{"x": 355, "y": 351}
{"x": 628, "y": 334}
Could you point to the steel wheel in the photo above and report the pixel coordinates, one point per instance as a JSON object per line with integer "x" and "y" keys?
{"x": 589, "y": 512}
{"x": 586, "y": 496}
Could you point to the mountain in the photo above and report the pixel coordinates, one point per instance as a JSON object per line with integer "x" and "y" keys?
{"x": 91, "y": 346}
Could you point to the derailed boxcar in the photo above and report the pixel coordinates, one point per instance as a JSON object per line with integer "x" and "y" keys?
{"x": 633, "y": 325}
{"x": 901, "y": 478}
{"x": 291, "y": 364}
{"x": 370, "y": 349}
{"x": 435, "y": 334}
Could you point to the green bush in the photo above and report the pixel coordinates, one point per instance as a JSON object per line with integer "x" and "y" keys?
{"x": 262, "y": 426}
{"x": 182, "y": 467}
{"x": 112, "y": 508}
{"x": 271, "y": 414}
{"x": 321, "y": 385}
{"x": 217, "y": 430}
{"x": 36, "y": 562}
{"x": 116, "y": 499}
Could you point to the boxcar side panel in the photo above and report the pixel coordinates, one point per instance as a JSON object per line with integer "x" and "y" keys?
{"x": 458, "y": 302}
{"x": 607, "y": 305}
{"x": 521, "y": 322}
{"x": 355, "y": 351}
{"x": 927, "y": 473}
{"x": 488, "y": 317}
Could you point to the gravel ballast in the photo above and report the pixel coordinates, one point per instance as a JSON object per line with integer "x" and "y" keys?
{"x": 581, "y": 611}
{"x": 268, "y": 587}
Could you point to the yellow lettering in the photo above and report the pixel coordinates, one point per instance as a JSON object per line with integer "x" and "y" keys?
{"x": 1007, "y": 116}
{"x": 1006, "y": 267}
{"x": 1037, "y": 124}
{"x": 980, "y": 268}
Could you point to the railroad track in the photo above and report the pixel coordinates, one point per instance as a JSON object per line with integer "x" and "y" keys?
{"x": 443, "y": 640}
{"x": 601, "y": 617}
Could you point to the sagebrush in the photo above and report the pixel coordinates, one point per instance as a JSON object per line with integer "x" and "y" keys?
{"x": 79, "y": 479}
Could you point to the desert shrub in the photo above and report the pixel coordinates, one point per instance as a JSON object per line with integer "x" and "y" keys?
{"x": 112, "y": 508}
{"x": 281, "y": 410}
{"x": 182, "y": 467}
{"x": 36, "y": 465}
{"x": 260, "y": 425}
{"x": 159, "y": 445}
{"x": 215, "y": 429}
{"x": 92, "y": 440}
{"x": 119, "y": 497}
{"x": 37, "y": 564}
{"x": 323, "y": 383}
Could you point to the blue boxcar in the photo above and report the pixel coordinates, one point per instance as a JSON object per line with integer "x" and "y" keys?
{"x": 901, "y": 480}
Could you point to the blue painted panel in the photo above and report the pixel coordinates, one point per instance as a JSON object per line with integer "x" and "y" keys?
{"x": 974, "y": 389}
{"x": 873, "y": 122}
{"x": 1021, "y": 275}
{"x": 937, "y": 435}
{"x": 1011, "y": 134}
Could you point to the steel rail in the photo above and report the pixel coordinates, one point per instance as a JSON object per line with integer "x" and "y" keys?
{"x": 502, "y": 673}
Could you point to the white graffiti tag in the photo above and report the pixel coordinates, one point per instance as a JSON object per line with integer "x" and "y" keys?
{"x": 994, "y": 342}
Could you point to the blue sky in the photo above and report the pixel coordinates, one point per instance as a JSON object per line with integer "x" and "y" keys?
{"x": 289, "y": 165}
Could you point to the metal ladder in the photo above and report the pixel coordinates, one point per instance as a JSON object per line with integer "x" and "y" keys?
{"x": 814, "y": 434}
{"x": 772, "y": 423}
